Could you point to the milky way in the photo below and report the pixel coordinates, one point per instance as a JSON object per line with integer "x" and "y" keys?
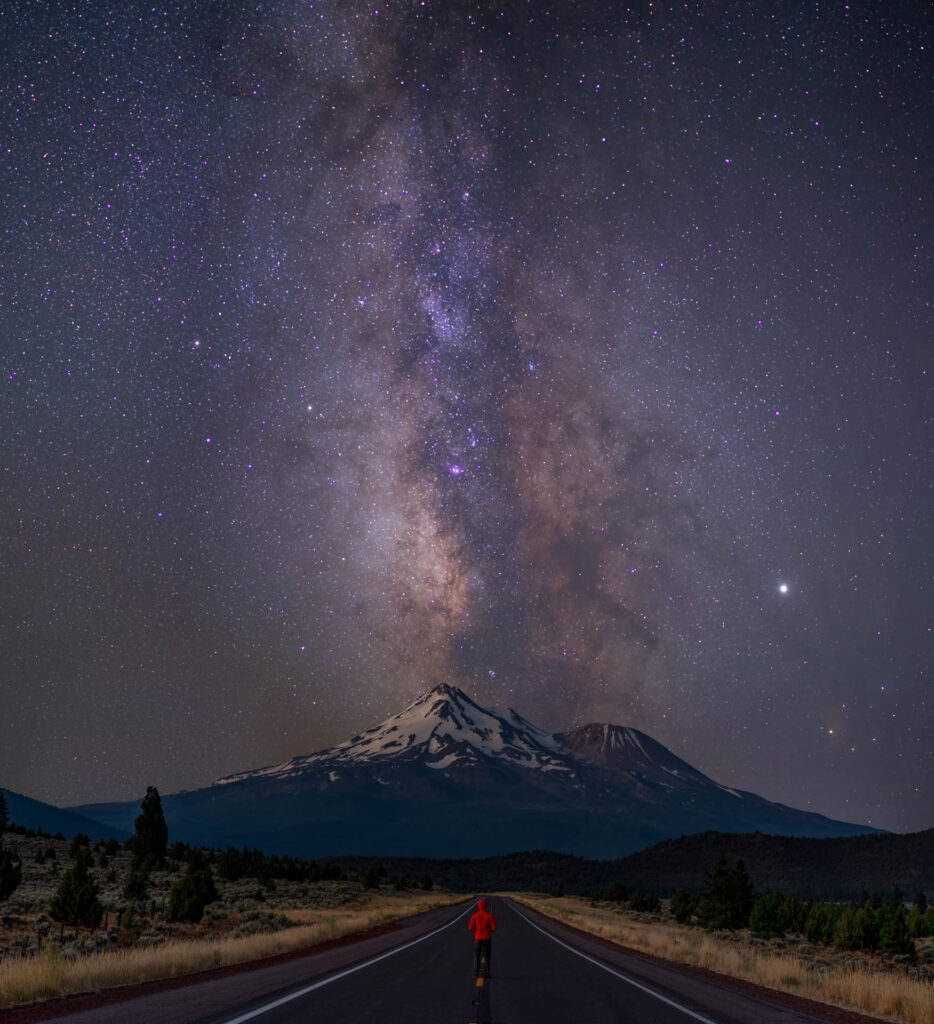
{"x": 576, "y": 356}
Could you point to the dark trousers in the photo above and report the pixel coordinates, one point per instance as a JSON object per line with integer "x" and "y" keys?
{"x": 481, "y": 948}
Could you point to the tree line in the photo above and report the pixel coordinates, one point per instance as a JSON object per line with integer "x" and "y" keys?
{"x": 729, "y": 902}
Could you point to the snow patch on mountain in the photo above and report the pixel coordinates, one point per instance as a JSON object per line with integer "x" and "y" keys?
{"x": 441, "y": 728}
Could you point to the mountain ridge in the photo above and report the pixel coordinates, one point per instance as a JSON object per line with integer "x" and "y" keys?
{"x": 446, "y": 777}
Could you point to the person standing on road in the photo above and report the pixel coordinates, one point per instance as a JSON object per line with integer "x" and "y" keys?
{"x": 482, "y": 924}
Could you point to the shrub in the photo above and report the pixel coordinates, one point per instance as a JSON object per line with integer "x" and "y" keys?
{"x": 682, "y": 906}
{"x": 137, "y": 879}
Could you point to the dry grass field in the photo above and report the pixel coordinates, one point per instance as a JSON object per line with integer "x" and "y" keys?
{"x": 855, "y": 982}
{"x": 251, "y": 921}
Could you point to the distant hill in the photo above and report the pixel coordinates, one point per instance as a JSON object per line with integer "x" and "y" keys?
{"x": 448, "y": 778}
{"x": 34, "y": 814}
{"x": 820, "y": 868}
{"x": 833, "y": 868}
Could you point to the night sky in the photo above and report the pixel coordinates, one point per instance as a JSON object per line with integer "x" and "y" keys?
{"x": 576, "y": 354}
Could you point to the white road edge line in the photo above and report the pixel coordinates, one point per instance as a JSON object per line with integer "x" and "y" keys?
{"x": 343, "y": 974}
{"x": 615, "y": 973}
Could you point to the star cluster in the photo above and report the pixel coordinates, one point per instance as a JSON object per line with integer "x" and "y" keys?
{"x": 577, "y": 356}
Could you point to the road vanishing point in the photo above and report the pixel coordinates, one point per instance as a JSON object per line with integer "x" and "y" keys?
{"x": 421, "y": 972}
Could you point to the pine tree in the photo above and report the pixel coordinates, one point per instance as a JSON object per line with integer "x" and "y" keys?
{"x": 855, "y": 928}
{"x": 767, "y": 919}
{"x": 152, "y": 835}
{"x": 894, "y": 936}
{"x": 11, "y": 872}
{"x": 75, "y": 901}
{"x": 821, "y": 925}
{"x": 728, "y": 897}
{"x": 193, "y": 891}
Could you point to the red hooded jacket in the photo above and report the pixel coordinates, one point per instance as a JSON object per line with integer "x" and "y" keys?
{"x": 482, "y": 923}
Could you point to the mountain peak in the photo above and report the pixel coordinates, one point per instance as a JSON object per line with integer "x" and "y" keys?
{"x": 446, "y": 777}
{"x": 441, "y": 729}
{"x": 446, "y": 690}
{"x": 624, "y": 749}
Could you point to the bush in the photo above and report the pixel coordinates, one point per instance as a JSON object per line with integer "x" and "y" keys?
{"x": 615, "y": 893}
{"x": 130, "y": 923}
{"x": 682, "y": 906}
{"x": 137, "y": 879}
{"x": 80, "y": 840}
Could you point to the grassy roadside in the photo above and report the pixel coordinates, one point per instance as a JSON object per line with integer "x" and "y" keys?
{"x": 52, "y": 975}
{"x": 853, "y": 986}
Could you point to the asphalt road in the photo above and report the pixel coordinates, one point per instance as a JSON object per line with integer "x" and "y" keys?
{"x": 423, "y": 974}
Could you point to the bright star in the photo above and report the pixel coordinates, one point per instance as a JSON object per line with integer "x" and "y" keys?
{"x": 783, "y": 588}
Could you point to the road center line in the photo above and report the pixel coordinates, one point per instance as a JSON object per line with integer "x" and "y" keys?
{"x": 615, "y": 973}
{"x": 343, "y": 974}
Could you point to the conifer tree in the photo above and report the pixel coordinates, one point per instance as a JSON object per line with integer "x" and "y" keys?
{"x": 894, "y": 936}
{"x": 152, "y": 835}
{"x": 11, "y": 872}
{"x": 75, "y": 901}
{"x": 193, "y": 891}
{"x": 728, "y": 897}
{"x": 767, "y": 919}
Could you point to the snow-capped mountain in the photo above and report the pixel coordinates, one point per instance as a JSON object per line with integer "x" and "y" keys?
{"x": 442, "y": 729}
{"x": 448, "y": 778}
